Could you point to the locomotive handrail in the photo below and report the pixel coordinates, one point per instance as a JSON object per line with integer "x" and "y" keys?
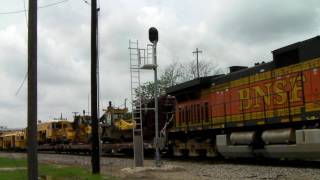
{"x": 162, "y": 132}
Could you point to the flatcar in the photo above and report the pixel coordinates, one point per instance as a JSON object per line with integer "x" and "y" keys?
{"x": 271, "y": 109}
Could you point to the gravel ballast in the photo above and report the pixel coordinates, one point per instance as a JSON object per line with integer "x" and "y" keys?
{"x": 180, "y": 170}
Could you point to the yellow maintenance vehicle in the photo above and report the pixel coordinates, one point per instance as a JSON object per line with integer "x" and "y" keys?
{"x": 117, "y": 124}
{"x": 55, "y": 132}
{"x": 82, "y": 128}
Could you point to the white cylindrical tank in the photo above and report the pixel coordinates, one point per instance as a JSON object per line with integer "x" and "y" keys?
{"x": 242, "y": 138}
{"x": 279, "y": 136}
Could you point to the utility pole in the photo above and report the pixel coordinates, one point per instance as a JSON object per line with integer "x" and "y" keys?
{"x": 95, "y": 149}
{"x": 32, "y": 92}
{"x": 197, "y": 52}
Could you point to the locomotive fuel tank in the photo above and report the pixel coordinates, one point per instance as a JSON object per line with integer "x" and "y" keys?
{"x": 279, "y": 136}
{"x": 242, "y": 138}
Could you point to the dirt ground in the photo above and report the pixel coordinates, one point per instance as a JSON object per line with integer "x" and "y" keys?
{"x": 179, "y": 169}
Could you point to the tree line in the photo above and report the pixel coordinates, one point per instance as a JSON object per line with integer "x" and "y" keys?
{"x": 176, "y": 73}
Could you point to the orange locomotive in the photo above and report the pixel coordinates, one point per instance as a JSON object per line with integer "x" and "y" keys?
{"x": 271, "y": 109}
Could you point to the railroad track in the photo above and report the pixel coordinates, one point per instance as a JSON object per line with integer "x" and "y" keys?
{"x": 211, "y": 160}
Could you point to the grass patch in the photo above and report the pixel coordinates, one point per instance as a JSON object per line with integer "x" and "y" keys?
{"x": 9, "y": 162}
{"x": 53, "y": 172}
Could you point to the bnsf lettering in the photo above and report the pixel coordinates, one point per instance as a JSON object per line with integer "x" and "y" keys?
{"x": 276, "y": 92}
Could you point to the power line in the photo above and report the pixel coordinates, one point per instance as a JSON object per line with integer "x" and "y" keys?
{"x": 53, "y": 4}
{"x": 25, "y": 76}
{"x": 39, "y": 7}
{"x": 89, "y": 4}
{"x": 85, "y": 1}
{"x": 22, "y": 83}
{"x": 25, "y": 12}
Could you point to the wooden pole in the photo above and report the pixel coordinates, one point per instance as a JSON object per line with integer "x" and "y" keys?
{"x": 95, "y": 151}
{"x": 32, "y": 92}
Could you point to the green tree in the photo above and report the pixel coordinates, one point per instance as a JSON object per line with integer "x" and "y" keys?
{"x": 176, "y": 73}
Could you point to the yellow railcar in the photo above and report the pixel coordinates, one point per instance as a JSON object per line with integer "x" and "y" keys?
{"x": 13, "y": 140}
{"x": 55, "y": 132}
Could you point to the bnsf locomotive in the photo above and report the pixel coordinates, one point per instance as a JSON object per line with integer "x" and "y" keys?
{"x": 270, "y": 110}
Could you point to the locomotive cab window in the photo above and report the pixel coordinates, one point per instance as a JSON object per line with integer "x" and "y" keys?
{"x": 180, "y": 116}
{"x": 188, "y": 114}
{"x": 202, "y": 113}
{"x": 58, "y": 126}
{"x": 183, "y": 116}
{"x": 192, "y": 114}
{"x": 198, "y": 113}
{"x": 206, "y": 112}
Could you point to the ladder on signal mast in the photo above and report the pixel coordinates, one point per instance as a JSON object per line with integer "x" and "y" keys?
{"x": 136, "y": 56}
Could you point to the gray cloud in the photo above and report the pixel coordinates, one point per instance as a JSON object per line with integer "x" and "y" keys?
{"x": 267, "y": 21}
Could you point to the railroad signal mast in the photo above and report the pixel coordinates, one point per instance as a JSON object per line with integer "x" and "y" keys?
{"x": 135, "y": 63}
{"x": 154, "y": 37}
{"x": 143, "y": 59}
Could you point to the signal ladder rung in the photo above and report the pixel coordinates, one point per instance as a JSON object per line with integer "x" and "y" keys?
{"x": 133, "y": 42}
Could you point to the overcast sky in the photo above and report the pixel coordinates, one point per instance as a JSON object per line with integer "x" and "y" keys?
{"x": 229, "y": 33}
